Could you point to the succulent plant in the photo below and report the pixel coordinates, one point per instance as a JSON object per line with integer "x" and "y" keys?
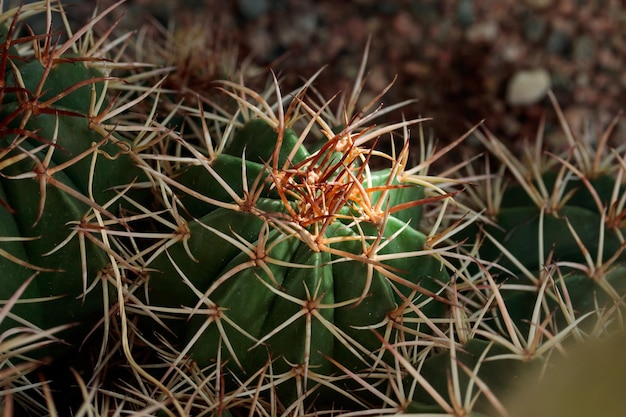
{"x": 556, "y": 231}
{"x": 286, "y": 264}
{"x": 66, "y": 178}
{"x": 293, "y": 262}
{"x": 549, "y": 275}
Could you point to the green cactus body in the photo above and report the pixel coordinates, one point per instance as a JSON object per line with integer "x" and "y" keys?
{"x": 276, "y": 281}
{"x": 325, "y": 282}
{"x": 490, "y": 362}
{"x": 520, "y": 229}
{"x": 48, "y": 187}
{"x": 554, "y": 241}
{"x": 251, "y": 140}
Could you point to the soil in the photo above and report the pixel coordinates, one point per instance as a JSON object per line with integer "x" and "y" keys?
{"x": 456, "y": 57}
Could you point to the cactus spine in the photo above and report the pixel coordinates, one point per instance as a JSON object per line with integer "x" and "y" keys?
{"x": 549, "y": 242}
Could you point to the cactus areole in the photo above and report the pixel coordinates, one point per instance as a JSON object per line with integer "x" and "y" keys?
{"x": 312, "y": 265}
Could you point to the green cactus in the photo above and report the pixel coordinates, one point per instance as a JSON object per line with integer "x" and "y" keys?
{"x": 490, "y": 363}
{"x": 59, "y": 168}
{"x": 295, "y": 260}
{"x": 550, "y": 273}
{"x": 280, "y": 275}
{"x": 300, "y": 267}
{"x": 559, "y": 219}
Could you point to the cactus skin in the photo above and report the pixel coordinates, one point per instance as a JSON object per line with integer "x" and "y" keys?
{"x": 228, "y": 165}
{"x": 46, "y": 123}
{"x": 519, "y": 227}
{"x": 492, "y": 362}
{"x": 553, "y": 267}
{"x": 518, "y": 223}
{"x": 495, "y": 358}
{"x": 302, "y": 303}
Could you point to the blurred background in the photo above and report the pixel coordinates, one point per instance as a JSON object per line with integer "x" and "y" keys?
{"x": 463, "y": 60}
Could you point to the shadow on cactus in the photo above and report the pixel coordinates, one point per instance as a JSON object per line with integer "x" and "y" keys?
{"x": 550, "y": 273}
{"x": 289, "y": 270}
{"x": 288, "y": 266}
{"x": 294, "y": 261}
{"x": 66, "y": 178}
{"x": 555, "y": 231}
{"x": 548, "y": 241}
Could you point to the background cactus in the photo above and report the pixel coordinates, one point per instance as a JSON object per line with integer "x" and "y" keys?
{"x": 558, "y": 229}
{"x": 550, "y": 274}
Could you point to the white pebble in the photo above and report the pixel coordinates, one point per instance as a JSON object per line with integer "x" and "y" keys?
{"x": 528, "y": 87}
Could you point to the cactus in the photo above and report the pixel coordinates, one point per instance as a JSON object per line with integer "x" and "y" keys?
{"x": 558, "y": 230}
{"x": 294, "y": 260}
{"x": 65, "y": 176}
{"x": 285, "y": 265}
{"x": 550, "y": 269}
{"x": 319, "y": 219}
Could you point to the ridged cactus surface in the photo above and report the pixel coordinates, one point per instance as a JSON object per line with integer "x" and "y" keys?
{"x": 305, "y": 262}
{"x": 59, "y": 167}
{"x": 548, "y": 239}
{"x": 556, "y": 237}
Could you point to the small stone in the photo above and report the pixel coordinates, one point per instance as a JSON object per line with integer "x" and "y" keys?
{"x": 377, "y": 79}
{"x": 406, "y": 27}
{"x": 300, "y": 31}
{"x": 425, "y": 12}
{"x": 558, "y": 42}
{"x": 260, "y": 42}
{"x": 609, "y": 60}
{"x": 252, "y": 9}
{"x": 483, "y": 32}
{"x": 534, "y": 27}
{"x": 513, "y": 52}
{"x": 578, "y": 118}
{"x": 528, "y": 87}
{"x": 421, "y": 70}
{"x": 511, "y": 125}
